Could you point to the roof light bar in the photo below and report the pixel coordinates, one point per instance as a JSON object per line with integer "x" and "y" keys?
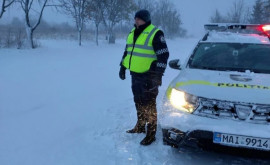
{"x": 242, "y": 28}
{"x": 227, "y": 26}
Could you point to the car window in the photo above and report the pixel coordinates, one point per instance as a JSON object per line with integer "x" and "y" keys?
{"x": 231, "y": 56}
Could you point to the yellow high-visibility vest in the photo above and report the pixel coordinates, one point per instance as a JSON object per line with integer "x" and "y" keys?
{"x": 140, "y": 54}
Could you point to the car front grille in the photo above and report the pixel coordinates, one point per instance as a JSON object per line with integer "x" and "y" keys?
{"x": 253, "y": 113}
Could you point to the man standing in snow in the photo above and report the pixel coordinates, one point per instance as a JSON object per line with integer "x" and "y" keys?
{"x": 146, "y": 56}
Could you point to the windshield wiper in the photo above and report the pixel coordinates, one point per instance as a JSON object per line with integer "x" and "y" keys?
{"x": 209, "y": 68}
{"x": 243, "y": 70}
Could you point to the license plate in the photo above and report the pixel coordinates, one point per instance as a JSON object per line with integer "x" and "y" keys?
{"x": 241, "y": 141}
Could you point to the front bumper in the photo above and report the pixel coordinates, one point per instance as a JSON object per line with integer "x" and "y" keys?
{"x": 199, "y": 139}
{"x": 180, "y": 129}
{"x": 170, "y": 117}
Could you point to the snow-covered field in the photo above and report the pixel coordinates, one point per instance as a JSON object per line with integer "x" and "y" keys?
{"x": 62, "y": 104}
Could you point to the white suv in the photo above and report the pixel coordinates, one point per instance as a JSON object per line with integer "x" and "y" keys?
{"x": 221, "y": 96}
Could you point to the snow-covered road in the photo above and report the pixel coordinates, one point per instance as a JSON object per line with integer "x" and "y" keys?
{"x": 62, "y": 104}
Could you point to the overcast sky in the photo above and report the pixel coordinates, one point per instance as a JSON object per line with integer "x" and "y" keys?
{"x": 194, "y": 13}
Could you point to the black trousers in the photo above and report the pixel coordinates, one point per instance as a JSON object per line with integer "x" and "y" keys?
{"x": 145, "y": 91}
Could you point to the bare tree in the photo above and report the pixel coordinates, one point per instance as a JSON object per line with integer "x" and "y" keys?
{"x": 95, "y": 10}
{"x": 19, "y": 38}
{"x": 257, "y": 13}
{"x": 167, "y": 18}
{"x": 217, "y": 17}
{"x": 266, "y": 12}
{"x": 235, "y": 15}
{"x": 116, "y": 11}
{"x": 146, "y": 4}
{"x": 5, "y": 4}
{"x": 8, "y": 39}
{"x": 30, "y": 24}
{"x": 247, "y": 16}
{"x": 76, "y": 9}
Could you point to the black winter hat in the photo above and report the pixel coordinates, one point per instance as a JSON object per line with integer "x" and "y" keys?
{"x": 144, "y": 15}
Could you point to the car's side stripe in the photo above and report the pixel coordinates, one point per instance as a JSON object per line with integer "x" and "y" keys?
{"x": 224, "y": 85}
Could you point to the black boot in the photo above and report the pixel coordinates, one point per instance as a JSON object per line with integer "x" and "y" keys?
{"x": 148, "y": 140}
{"x": 150, "y": 135}
{"x": 139, "y": 128}
{"x": 152, "y": 124}
{"x": 141, "y": 121}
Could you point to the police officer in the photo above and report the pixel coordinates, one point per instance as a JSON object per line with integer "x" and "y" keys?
{"x": 146, "y": 56}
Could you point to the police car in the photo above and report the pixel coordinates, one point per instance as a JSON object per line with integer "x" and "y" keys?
{"x": 221, "y": 96}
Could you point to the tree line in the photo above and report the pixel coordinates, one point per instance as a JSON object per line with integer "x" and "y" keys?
{"x": 107, "y": 14}
{"x": 239, "y": 12}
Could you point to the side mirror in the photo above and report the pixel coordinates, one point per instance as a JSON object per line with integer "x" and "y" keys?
{"x": 175, "y": 64}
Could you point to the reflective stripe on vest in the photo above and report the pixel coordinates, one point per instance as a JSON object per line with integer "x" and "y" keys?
{"x": 141, "y": 54}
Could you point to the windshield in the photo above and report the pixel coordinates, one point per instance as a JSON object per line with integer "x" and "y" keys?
{"x": 231, "y": 57}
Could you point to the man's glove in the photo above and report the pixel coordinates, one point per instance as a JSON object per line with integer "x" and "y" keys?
{"x": 122, "y": 73}
{"x": 158, "y": 78}
{"x": 156, "y": 74}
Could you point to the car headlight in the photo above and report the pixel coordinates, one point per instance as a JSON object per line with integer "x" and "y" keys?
{"x": 183, "y": 101}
